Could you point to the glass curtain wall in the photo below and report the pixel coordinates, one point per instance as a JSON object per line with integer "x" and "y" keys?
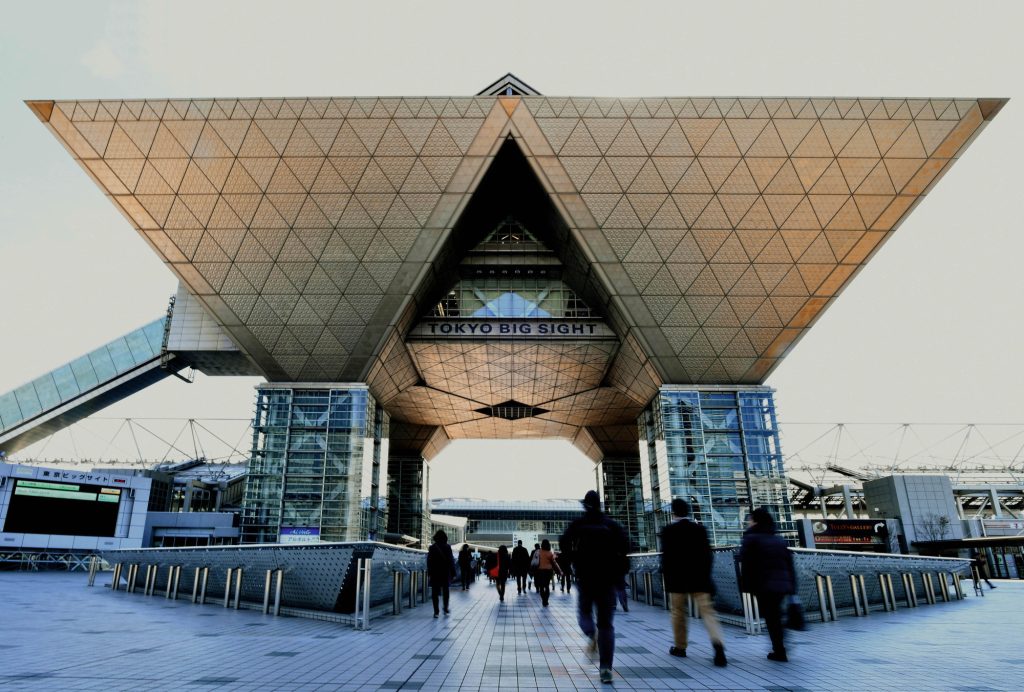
{"x": 719, "y": 450}
{"x": 318, "y": 459}
{"x": 409, "y": 497}
{"x": 620, "y": 488}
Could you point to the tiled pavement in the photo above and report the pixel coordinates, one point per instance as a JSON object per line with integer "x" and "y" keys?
{"x": 56, "y": 633}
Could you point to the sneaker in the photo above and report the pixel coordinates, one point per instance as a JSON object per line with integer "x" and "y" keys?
{"x": 606, "y": 675}
{"x": 720, "y": 659}
{"x": 436, "y": 614}
{"x": 592, "y": 645}
{"x": 781, "y": 658}
{"x": 447, "y": 612}
{"x": 677, "y": 651}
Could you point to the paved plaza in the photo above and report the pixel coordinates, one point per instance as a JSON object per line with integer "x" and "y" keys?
{"x": 58, "y": 634}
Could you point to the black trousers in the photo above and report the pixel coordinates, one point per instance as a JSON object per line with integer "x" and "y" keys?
{"x": 543, "y": 581}
{"x": 467, "y": 577}
{"x": 770, "y": 605}
{"x": 436, "y": 591}
{"x": 521, "y": 582}
{"x": 500, "y": 581}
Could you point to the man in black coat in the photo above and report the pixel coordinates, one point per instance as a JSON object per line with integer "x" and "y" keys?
{"x": 440, "y": 570}
{"x": 520, "y": 565}
{"x": 686, "y": 563}
{"x": 597, "y": 547}
{"x": 766, "y": 567}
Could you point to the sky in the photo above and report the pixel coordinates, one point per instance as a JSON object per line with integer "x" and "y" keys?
{"x": 930, "y": 331}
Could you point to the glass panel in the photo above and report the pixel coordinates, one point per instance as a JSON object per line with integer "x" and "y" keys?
{"x": 121, "y": 355}
{"x": 102, "y": 364}
{"x": 28, "y": 402}
{"x": 47, "y": 391}
{"x": 84, "y": 374}
{"x": 66, "y": 383}
{"x": 140, "y": 348}
{"x": 10, "y": 412}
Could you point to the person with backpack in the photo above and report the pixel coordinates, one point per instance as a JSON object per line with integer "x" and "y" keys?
{"x": 686, "y": 565}
{"x": 596, "y": 546}
{"x": 440, "y": 570}
{"x": 520, "y": 566}
{"x": 766, "y": 570}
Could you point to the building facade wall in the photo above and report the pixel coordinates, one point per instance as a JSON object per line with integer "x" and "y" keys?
{"x": 717, "y": 448}
{"x": 409, "y": 497}
{"x": 622, "y": 493}
{"x": 318, "y": 469}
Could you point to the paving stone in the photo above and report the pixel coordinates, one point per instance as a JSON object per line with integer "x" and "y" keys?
{"x": 525, "y": 648}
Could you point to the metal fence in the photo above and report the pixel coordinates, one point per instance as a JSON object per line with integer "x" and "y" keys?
{"x": 830, "y": 583}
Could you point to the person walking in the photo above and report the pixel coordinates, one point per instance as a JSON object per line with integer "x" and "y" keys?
{"x": 500, "y": 571}
{"x": 980, "y": 565}
{"x": 520, "y": 565}
{"x": 531, "y": 571}
{"x": 596, "y": 547}
{"x": 766, "y": 570}
{"x": 440, "y": 570}
{"x": 686, "y": 565}
{"x": 546, "y": 568}
{"x": 466, "y": 566}
{"x": 565, "y": 572}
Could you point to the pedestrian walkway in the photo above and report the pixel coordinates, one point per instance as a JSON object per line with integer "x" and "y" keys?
{"x": 59, "y": 634}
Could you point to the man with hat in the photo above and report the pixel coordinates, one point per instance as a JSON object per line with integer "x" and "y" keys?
{"x": 597, "y": 547}
{"x": 686, "y": 564}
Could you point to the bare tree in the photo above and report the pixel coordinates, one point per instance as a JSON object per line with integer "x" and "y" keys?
{"x": 933, "y": 527}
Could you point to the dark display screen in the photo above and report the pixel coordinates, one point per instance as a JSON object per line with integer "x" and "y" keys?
{"x": 65, "y": 509}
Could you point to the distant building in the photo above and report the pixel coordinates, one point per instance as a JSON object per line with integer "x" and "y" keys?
{"x": 497, "y": 522}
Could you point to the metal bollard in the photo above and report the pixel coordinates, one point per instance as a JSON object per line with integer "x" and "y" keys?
{"x": 278, "y": 591}
{"x": 202, "y": 585}
{"x": 958, "y": 587}
{"x": 943, "y": 586}
{"x": 666, "y": 596}
{"x": 151, "y": 572}
{"x": 396, "y": 593}
{"x": 885, "y": 591}
{"x": 854, "y": 590}
{"x": 266, "y": 592}
{"x": 929, "y": 588}
{"x": 826, "y": 597}
{"x": 412, "y": 589}
{"x": 864, "y": 594}
{"x": 423, "y": 586}
{"x": 94, "y": 563}
{"x": 117, "y": 577}
{"x": 632, "y": 586}
{"x": 170, "y": 582}
{"x": 238, "y": 586}
{"x": 177, "y": 580}
{"x": 649, "y": 588}
{"x": 892, "y": 591}
{"x": 195, "y": 585}
{"x": 227, "y": 586}
{"x": 910, "y": 589}
{"x": 130, "y": 586}
{"x": 751, "y": 614}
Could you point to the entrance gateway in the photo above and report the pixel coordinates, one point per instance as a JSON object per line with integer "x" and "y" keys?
{"x": 621, "y": 273}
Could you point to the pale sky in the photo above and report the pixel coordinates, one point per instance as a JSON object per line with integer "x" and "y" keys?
{"x": 930, "y": 331}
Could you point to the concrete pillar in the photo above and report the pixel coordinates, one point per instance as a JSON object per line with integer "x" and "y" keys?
{"x": 997, "y": 509}
{"x": 848, "y": 501}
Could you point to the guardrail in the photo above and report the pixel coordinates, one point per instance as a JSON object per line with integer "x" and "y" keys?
{"x": 348, "y": 582}
{"x": 830, "y": 583}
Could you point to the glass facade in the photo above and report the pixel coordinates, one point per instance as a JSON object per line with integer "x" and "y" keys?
{"x": 622, "y": 493}
{"x": 82, "y": 374}
{"x": 493, "y": 522}
{"x": 319, "y": 466}
{"x": 409, "y": 497}
{"x": 718, "y": 449}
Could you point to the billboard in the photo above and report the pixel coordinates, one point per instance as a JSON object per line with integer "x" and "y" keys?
{"x": 299, "y": 534}
{"x": 63, "y": 509}
{"x": 849, "y": 532}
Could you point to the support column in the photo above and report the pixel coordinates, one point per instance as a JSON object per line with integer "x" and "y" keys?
{"x": 622, "y": 496}
{"x": 349, "y": 496}
{"x": 717, "y": 448}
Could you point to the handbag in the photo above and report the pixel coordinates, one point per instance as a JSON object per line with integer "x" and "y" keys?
{"x": 535, "y": 562}
{"x": 795, "y": 614}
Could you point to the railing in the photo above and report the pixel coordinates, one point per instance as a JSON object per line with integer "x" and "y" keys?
{"x": 830, "y": 583}
{"x": 349, "y": 582}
